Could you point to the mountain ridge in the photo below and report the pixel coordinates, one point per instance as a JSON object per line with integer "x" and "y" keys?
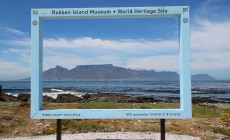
{"x": 110, "y": 72}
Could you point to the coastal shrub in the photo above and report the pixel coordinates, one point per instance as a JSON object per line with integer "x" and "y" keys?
{"x": 80, "y": 127}
{"x": 24, "y": 104}
{"x": 204, "y": 112}
{"x": 226, "y": 118}
{"x": 49, "y": 131}
{"x": 222, "y": 131}
{"x": 66, "y": 122}
{"x": 100, "y": 105}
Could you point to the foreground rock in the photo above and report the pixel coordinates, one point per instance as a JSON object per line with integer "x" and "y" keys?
{"x": 104, "y": 97}
{"x": 8, "y": 98}
{"x": 23, "y": 97}
{"x": 68, "y": 98}
{"x": 100, "y": 97}
{"x": 48, "y": 99}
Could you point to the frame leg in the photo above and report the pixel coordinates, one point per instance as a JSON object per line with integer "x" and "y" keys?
{"x": 58, "y": 129}
{"x": 162, "y": 129}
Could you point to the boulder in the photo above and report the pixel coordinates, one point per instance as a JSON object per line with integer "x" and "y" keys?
{"x": 2, "y": 99}
{"x": 146, "y": 99}
{"x": 126, "y": 99}
{"x": 23, "y": 97}
{"x": 68, "y": 98}
{"x": 48, "y": 99}
{"x": 7, "y": 118}
{"x": 101, "y": 97}
{"x": 8, "y": 98}
{"x": 86, "y": 97}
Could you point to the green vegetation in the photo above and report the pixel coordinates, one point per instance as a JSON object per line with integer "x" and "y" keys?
{"x": 23, "y": 104}
{"x": 109, "y": 105}
{"x": 49, "y": 131}
{"x": 221, "y": 131}
{"x": 77, "y": 125}
{"x": 17, "y": 117}
{"x": 206, "y": 112}
{"x": 226, "y": 118}
{"x": 100, "y": 105}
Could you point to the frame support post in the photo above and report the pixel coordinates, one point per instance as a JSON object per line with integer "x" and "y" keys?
{"x": 58, "y": 129}
{"x": 162, "y": 129}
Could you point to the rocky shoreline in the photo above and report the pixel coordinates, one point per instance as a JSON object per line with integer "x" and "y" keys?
{"x": 70, "y": 98}
{"x": 100, "y": 97}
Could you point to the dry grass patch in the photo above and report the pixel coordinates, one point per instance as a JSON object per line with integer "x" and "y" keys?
{"x": 206, "y": 123}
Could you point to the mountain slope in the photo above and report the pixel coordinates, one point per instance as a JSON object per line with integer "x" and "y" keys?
{"x": 110, "y": 72}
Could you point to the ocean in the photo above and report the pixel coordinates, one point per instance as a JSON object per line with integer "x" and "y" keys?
{"x": 209, "y": 90}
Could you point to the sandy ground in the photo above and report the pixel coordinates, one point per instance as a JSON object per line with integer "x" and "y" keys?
{"x": 108, "y": 135}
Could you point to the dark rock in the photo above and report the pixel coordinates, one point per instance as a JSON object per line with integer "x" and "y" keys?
{"x": 48, "y": 99}
{"x": 104, "y": 130}
{"x": 92, "y": 130}
{"x": 0, "y": 90}
{"x": 2, "y": 99}
{"x": 9, "y": 98}
{"x": 206, "y": 105}
{"x": 84, "y": 131}
{"x": 146, "y": 99}
{"x": 23, "y": 97}
{"x": 126, "y": 99}
{"x": 86, "y": 97}
{"x": 68, "y": 98}
{"x": 101, "y": 97}
{"x": 16, "y": 132}
{"x": 197, "y": 100}
{"x": 7, "y": 118}
{"x": 172, "y": 99}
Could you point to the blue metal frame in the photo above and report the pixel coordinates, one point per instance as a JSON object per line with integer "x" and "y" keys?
{"x": 37, "y": 16}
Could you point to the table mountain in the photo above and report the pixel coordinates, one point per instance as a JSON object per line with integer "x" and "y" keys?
{"x": 110, "y": 72}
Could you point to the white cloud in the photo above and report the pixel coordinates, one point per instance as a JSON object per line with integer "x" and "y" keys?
{"x": 129, "y": 45}
{"x": 13, "y": 70}
{"x": 12, "y": 30}
{"x": 210, "y": 45}
{"x": 17, "y": 42}
{"x": 160, "y": 62}
{"x": 17, "y": 50}
{"x": 210, "y": 60}
{"x": 211, "y": 36}
{"x": 24, "y": 54}
{"x": 210, "y": 49}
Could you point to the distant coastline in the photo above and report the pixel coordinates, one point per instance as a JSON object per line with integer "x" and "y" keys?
{"x": 108, "y": 72}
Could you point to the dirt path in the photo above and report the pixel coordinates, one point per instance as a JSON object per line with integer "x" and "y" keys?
{"x": 109, "y": 135}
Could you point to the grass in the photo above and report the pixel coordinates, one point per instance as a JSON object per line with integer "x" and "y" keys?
{"x": 109, "y": 105}
{"x": 204, "y": 118}
{"x": 210, "y": 113}
{"x": 76, "y": 125}
{"x": 80, "y": 127}
{"x": 49, "y": 131}
{"x": 222, "y": 131}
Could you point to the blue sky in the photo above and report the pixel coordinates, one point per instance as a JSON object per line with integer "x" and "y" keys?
{"x": 131, "y": 43}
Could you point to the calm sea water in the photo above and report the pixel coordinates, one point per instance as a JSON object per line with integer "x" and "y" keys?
{"x": 215, "y": 90}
